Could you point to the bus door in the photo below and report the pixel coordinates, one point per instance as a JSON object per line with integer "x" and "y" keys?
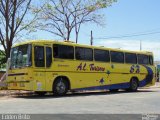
{"x": 40, "y": 69}
{"x": 49, "y": 75}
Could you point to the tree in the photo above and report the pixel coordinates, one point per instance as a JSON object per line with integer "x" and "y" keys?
{"x": 86, "y": 12}
{"x": 61, "y": 17}
{"x": 13, "y": 21}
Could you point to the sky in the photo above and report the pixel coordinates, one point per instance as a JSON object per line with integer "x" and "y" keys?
{"x": 127, "y": 22}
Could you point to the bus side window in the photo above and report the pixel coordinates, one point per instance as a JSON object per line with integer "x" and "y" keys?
{"x": 55, "y": 51}
{"x": 48, "y": 56}
{"x": 84, "y": 53}
{"x": 150, "y": 60}
{"x": 143, "y": 59}
{"x": 101, "y": 55}
{"x": 117, "y": 57}
{"x": 131, "y": 58}
{"x": 39, "y": 56}
{"x": 63, "y": 51}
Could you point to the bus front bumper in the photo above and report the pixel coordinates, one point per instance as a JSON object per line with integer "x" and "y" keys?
{"x": 20, "y": 85}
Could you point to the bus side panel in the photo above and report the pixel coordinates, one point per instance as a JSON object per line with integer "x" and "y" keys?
{"x": 39, "y": 80}
{"x": 118, "y": 76}
{"x": 81, "y": 75}
{"x": 147, "y": 76}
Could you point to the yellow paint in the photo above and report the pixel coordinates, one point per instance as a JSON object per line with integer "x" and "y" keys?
{"x": 79, "y": 77}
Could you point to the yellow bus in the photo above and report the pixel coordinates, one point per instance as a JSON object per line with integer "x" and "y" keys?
{"x": 51, "y": 66}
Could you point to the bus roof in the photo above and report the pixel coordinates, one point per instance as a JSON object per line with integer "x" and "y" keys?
{"x": 80, "y": 45}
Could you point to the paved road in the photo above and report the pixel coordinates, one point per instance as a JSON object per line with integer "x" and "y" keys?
{"x": 143, "y": 101}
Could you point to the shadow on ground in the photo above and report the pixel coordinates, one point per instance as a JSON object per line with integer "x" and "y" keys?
{"x": 76, "y": 94}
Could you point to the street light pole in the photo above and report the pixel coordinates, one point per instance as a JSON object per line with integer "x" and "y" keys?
{"x": 140, "y": 45}
{"x": 91, "y": 38}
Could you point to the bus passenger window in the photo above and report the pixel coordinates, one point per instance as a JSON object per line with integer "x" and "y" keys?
{"x": 84, "y": 53}
{"x": 151, "y": 60}
{"x": 143, "y": 59}
{"x": 63, "y": 51}
{"x": 39, "y": 56}
{"x": 48, "y": 56}
{"x": 117, "y": 57}
{"x": 131, "y": 58}
{"x": 101, "y": 55}
{"x": 55, "y": 51}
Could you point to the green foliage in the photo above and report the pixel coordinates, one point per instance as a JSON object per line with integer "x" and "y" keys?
{"x": 2, "y": 60}
{"x": 63, "y": 17}
{"x": 49, "y": 6}
{"x": 99, "y": 4}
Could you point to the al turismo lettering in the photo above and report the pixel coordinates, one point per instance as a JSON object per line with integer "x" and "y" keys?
{"x": 96, "y": 68}
{"x": 92, "y": 67}
{"x": 82, "y": 67}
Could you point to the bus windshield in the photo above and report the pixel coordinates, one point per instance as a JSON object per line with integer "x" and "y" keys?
{"x": 21, "y": 56}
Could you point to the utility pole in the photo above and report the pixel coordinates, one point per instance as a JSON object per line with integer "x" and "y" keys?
{"x": 91, "y": 38}
{"x": 140, "y": 45}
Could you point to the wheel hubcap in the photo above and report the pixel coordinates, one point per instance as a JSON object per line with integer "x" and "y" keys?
{"x": 61, "y": 87}
{"x": 134, "y": 85}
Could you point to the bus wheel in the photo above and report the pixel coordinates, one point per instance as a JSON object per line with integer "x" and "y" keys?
{"x": 113, "y": 90}
{"x": 133, "y": 85}
{"x": 60, "y": 87}
{"x": 41, "y": 93}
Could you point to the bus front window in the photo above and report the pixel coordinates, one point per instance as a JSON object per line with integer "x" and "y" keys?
{"x": 21, "y": 56}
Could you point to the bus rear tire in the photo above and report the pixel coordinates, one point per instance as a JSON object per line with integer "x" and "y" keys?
{"x": 133, "y": 85}
{"x": 60, "y": 87}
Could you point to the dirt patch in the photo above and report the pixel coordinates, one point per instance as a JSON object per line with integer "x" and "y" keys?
{"x": 4, "y": 94}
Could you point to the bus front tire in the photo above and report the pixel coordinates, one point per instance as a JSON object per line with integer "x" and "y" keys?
{"x": 60, "y": 87}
